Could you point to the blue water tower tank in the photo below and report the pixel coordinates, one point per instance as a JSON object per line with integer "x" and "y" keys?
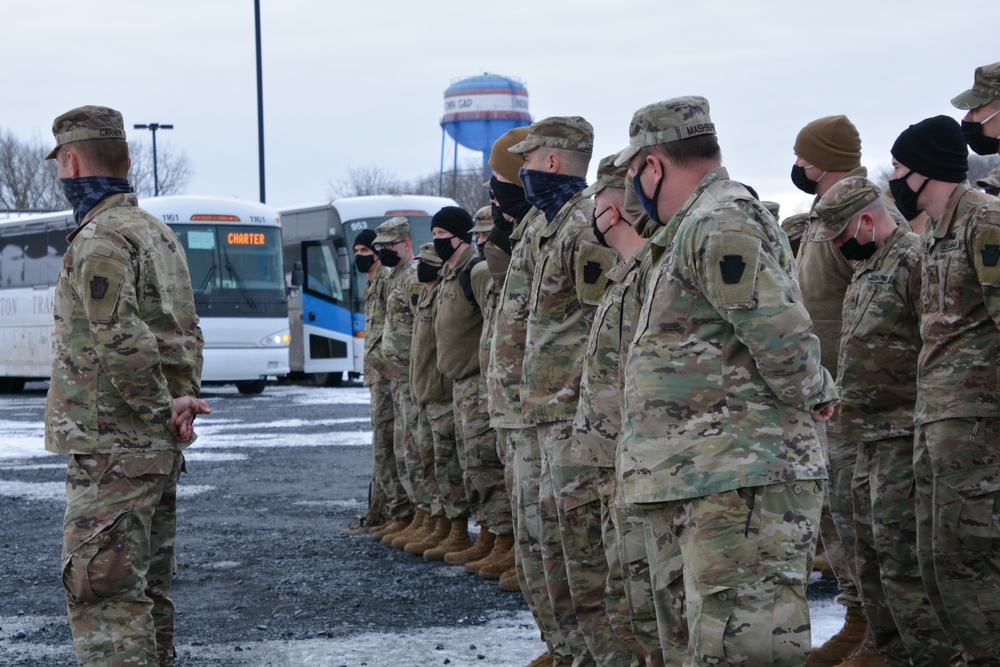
{"x": 478, "y": 110}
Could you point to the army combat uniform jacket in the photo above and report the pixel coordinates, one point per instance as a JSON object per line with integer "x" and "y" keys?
{"x": 375, "y": 296}
{"x": 402, "y": 294}
{"x": 960, "y": 284}
{"x": 724, "y": 369}
{"x": 568, "y": 281}
{"x": 880, "y": 341}
{"x": 127, "y": 339}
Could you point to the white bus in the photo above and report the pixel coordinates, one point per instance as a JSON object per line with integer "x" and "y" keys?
{"x": 234, "y": 255}
{"x": 327, "y": 312}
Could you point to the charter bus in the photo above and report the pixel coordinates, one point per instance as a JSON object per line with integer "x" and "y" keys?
{"x": 234, "y": 255}
{"x": 327, "y": 310}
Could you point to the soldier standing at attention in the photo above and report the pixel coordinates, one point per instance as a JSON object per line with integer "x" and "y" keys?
{"x": 723, "y": 382}
{"x": 126, "y": 372}
{"x": 597, "y": 425}
{"x": 877, "y": 375}
{"x": 435, "y": 435}
{"x": 569, "y": 278}
{"x": 395, "y": 250}
{"x": 957, "y": 450}
{"x": 512, "y": 265}
{"x": 458, "y": 325}
{"x": 367, "y": 262}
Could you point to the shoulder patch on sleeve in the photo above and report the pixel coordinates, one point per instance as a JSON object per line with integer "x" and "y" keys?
{"x": 593, "y": 262}
{"x": 101, "y": 284}
{"x": 733, "y": 263}
{"x": 986, "y": 254}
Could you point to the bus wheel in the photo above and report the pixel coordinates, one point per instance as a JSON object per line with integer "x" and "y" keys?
{"x": 328, "y": 379}
{"x": 252, "y": 387}
{"x": 11, "y": 385}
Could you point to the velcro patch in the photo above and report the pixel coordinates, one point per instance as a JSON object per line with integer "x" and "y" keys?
{"x": 593, "y": 262}
{"x": 102, "y": 283}
{"x": 986, "y": 254}
{"x": 733, "y": 263}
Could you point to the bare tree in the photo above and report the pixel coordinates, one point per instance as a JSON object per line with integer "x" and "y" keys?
{"x": 27, "y": 181}
{"x": 173, "y": 168}
{"x": 465, "y": 186}
{"x": 367, "y": 180}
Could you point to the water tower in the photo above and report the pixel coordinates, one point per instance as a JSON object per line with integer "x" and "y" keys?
{"x": 478, "y": 110}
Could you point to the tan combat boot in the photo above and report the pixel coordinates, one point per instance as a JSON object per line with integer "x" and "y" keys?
{"x": 509, "y": 582}
{"x": 399, "y": 540}
{"x": 457, "y": 540}
{"x": 868, "y": 655}
{"x": 840, "y": 646}
{"x": 481, "y": 549}
{"x": 500, "y": 560}
{"x": 441, "y": 528}
{"x": 544, "y": 660}
{"x": 394, "y": 526}
{"x": 419, "y": 534}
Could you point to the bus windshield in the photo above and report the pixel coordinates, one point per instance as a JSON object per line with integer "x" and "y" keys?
{"x": 234, "y": 268}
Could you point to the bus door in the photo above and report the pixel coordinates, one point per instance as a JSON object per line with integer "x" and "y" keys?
{"x": 327, "y": 327}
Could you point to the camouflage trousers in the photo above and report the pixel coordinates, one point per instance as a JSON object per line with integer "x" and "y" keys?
{"x": 118, "y": 553}
{"x": 582, "y": 496}
{"x": 477, "y": 450}
{"x": 404, "y": 440}
{"x": 433, "y": 420}
{"x": 398, "y": 503}
{"x": 449, "y": 483}
{"x": 836, "y": 525}
{"x": 900, "y": 618}
{"x": 527, "y": 468}
{"x": 957, "y": 469}
{"x": 630, "y": 591}
{"x": 745, "y": 556}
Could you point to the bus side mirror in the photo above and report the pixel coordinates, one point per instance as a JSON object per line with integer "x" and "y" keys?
{"x": 297, "y": 275}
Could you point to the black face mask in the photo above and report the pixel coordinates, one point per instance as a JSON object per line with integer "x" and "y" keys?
{"x": 444, "y": 248}
{"x": 427, "y": 273}
{"x": 601, "y": 238}
{"x": 854, "y": 251}
{"x": 364, "y": 262}
{"x": 511, "y": 200}
{"x": 977, "y": 141}
{"x": 389, "y": 257}
{"x": 905, "y": 198}
{"x": 803, "y": 182}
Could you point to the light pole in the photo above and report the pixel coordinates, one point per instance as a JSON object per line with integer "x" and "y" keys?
{"x": 153, "y": 127}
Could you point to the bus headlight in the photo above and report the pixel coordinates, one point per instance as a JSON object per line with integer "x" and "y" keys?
{"x": 280, "y": 339}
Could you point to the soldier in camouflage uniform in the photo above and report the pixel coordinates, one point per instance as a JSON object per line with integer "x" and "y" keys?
{"x": 597, "y": 425}
{"x": 458, "y": 325}
{"x": 395, "y": 250}
{"x": 957, "y": 449}
{"x": 877, "y": 378}
{"x": 504, "y": 384}
{"x": 435, "y": 435}
{"x": 794, "y": 227}
{"x": 126, "y": 372}
{"x": 379, "y": 506}
{"x": 723, "y": 383}
{"x": 568, "y": 281}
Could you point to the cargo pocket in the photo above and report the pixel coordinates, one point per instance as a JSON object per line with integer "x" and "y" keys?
{"x": 708, "y": 629}
{"x": 582, "y": 514}
{"x": 101, "y": 567}
{"x": 966, "y": 510}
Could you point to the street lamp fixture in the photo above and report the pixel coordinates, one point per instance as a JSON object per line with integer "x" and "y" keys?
{"x": 153, "y": 127}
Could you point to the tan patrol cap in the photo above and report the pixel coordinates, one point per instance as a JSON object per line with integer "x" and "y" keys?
{"x": 87, "y": 122}
{"x": 484, "y": 220}
{"x": 795, "y": 225}
{"x": 569, "y": 133}
{"x": 772, "y": 207}
{"x": 985, "y": 89}
{"x": 663, "y": 122}
{"x": 392, "y": 229}
{"x": 428, "y": 254}
{"x": 608, "y": 176}
{"x": 842, "y": 202}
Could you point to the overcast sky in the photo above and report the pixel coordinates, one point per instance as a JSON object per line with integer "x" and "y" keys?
{"x": 361, "y": 82}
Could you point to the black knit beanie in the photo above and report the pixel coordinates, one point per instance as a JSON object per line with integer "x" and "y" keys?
{"x": 934, "y": 148}
{"x": 457, "y": 221}
{"x": 366, "y": 238}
